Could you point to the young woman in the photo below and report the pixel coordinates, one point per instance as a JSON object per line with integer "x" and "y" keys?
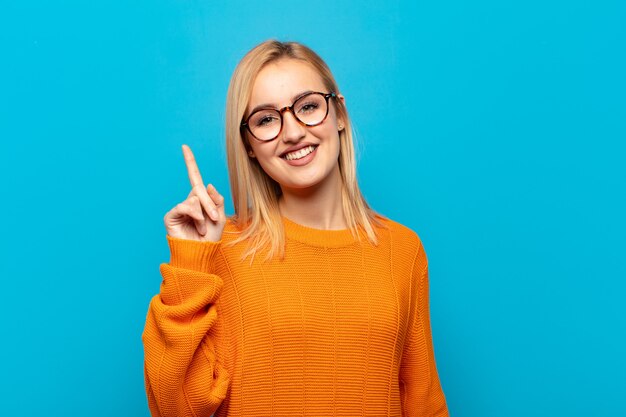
{"x": 305, "y": 302}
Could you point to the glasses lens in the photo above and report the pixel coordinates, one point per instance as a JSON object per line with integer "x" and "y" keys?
{"x": 310, "y": 109}
{"x": 265, "y": 124}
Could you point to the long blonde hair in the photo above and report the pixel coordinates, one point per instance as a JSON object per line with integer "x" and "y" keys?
{"x": 255, "y": 194}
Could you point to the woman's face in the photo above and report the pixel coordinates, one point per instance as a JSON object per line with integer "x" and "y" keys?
{"x": 301, "y": 156}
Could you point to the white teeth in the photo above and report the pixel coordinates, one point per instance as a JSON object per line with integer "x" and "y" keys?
{"x": 300, "y": 153}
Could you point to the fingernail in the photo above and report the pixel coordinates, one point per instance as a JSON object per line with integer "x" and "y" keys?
{"x": 214, "y": 214}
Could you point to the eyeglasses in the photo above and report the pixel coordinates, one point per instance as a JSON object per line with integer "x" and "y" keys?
{"x": 310, "y": 109}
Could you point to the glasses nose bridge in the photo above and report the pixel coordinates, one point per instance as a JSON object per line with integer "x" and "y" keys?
{"x": 289, "y": 130}
{"x": 290, "y": 110}
{"x": 285, "y": 109}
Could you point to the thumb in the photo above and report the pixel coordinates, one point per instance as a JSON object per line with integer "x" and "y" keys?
{"x": 217, "y": 198}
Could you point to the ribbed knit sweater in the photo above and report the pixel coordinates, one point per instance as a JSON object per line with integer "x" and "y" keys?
{"x": 339, "y": 327}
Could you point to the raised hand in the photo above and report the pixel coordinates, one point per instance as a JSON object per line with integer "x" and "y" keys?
{"x": 201, "y": 216}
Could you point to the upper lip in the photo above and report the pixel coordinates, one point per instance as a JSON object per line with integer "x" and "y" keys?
{"x": 296, "y": 147}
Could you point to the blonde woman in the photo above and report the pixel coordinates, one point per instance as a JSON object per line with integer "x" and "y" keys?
{"x": 305, "y": 301}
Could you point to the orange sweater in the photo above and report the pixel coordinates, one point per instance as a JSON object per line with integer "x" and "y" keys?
{"x": 337, "y": 328}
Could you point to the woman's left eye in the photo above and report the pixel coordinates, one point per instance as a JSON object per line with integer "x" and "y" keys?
{"x": 308, "y": 107}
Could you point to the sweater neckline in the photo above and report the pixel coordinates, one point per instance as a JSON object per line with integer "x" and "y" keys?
{"x": 317, "y": 237}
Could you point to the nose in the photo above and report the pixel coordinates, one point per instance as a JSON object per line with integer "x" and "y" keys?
{"x": 293, "y": 131}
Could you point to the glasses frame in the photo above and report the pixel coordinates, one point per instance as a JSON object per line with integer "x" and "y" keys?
{"x": 326, "y": 96}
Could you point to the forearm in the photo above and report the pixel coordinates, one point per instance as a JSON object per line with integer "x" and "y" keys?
{"x": 183, "y": 376}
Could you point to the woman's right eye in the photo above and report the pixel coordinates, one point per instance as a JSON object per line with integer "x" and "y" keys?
{"x": 266, "y": 120}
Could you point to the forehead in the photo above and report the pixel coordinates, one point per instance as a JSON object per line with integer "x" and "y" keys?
{"x": 278, "y": 82}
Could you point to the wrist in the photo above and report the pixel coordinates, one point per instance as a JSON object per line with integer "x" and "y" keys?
{"x": 192, "y": 254}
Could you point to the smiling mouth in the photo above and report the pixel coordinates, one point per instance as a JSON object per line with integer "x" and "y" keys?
{"x": 300, "y": 153}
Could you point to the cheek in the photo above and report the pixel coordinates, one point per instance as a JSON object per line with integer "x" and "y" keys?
{"x": 253, "y": 145}
{"x": 329, "y": 134}
{"x": 264, "y": 155}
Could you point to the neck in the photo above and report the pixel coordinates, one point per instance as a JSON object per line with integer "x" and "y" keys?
{"x": 318, "y": 207}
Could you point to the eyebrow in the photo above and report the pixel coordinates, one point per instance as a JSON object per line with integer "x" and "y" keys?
{"x": 273, "y": 106}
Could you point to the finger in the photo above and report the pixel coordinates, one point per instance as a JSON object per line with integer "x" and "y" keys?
{"x": 187, "y": 210}
{"x": 217, "y": 198}
{"x": 207, "y": 203}
{"x": 197, "y": 185}
{"x": 198, "y": 219}
{"x": 192, "y": 168}
{"x": 191, "y": 208}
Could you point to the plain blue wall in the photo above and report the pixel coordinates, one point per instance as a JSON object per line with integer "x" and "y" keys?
{"x": 494, "y": 129}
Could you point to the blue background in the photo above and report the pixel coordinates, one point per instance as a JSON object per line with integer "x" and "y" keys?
{"x": 494, "y": 129}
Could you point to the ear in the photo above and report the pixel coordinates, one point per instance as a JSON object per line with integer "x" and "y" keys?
{"x": 340, "y": 122}
{"x": 251, "y": 153}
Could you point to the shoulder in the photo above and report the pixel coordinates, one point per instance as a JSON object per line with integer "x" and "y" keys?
{"x": 398, "y": 232}
{"x": 403, "y": 241}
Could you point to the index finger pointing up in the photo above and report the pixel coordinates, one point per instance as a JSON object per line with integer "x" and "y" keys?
{"x": 192, "y": 168}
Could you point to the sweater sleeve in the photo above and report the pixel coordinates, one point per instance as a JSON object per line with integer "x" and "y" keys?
{"x": 182, "y": 375}
{"x": 421, "y": 391}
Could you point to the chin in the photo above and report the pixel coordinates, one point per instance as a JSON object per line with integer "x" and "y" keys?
{"x": 300, "y": 185}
